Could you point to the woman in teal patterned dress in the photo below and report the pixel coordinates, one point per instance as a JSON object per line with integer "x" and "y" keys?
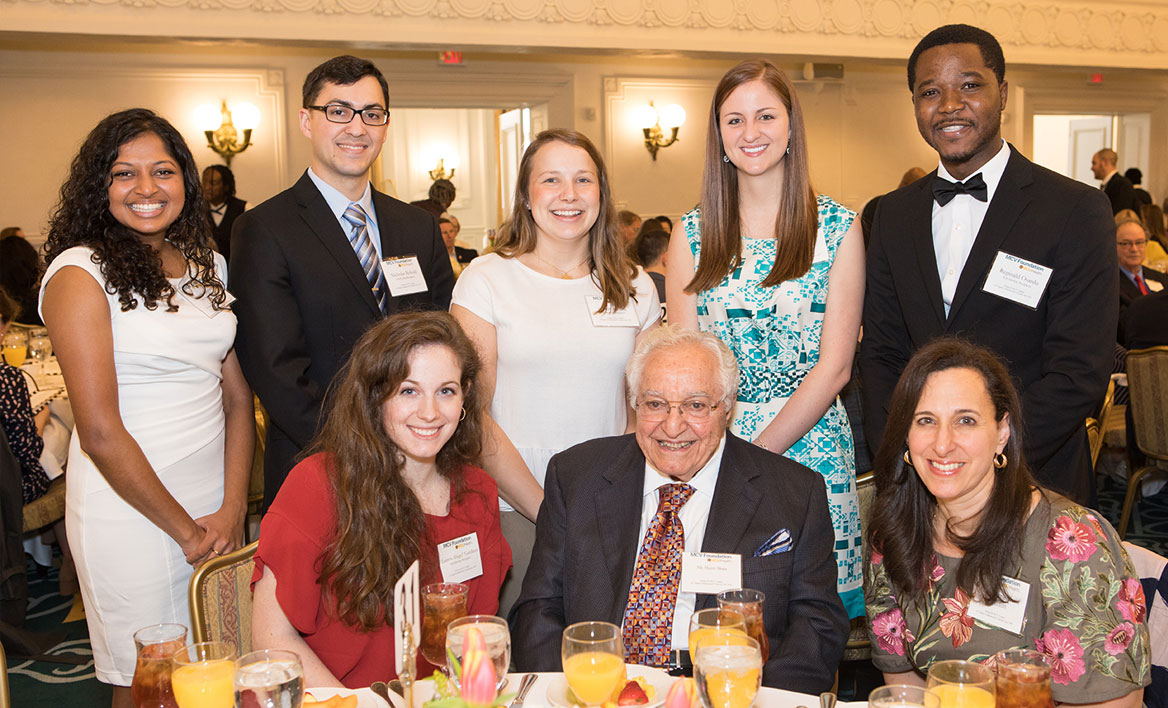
{"x": 777, "y": 272}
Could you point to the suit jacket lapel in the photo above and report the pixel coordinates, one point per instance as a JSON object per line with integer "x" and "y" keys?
{"x": 315, "y": 212}
{"x": 921, "y": 236}
{"x": 734, "y": 505}
{"x": 1010, "y": 199}
{"x": 618, "y": 519}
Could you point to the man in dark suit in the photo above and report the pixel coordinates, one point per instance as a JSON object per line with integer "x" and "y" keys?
{"x": 1146, "y": 322}
{"x": 996, "y": 249}
{"x": 602, "y": 504}
{"x": 315, "y": 265}
{"x": 223, "y": 207}
{"x": 1119, "y": 189}
{"x": 1135, "y": 281}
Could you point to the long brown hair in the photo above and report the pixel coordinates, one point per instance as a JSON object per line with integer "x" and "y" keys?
{"x": 381, "y": 528}
{"x": 797, "y": 221}
{"x": 901, "y": 527}
{"x": 608, "y": 257}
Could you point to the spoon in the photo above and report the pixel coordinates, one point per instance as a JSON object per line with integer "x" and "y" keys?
{"x": 381, "y": 689}
{"x": 827, "y": 699}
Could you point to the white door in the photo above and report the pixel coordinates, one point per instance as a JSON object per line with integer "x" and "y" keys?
{"x": 1088, "y": 136}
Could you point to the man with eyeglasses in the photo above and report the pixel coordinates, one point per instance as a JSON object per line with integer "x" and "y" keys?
{"x": 1135, "y": 281}
{"x": 644, "y": 529}
{"x": 314, "y": 266}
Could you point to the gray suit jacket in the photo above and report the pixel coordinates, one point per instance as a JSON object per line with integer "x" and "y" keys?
{"x": 587, "y": 541}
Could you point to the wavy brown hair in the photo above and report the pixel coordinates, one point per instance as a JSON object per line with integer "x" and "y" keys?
{"x": 132, "y": 269}
{"x": 797, "y": 221}
{"x": 901, "y": 527}
{"x": 380, "y": 524}
{"x": 609, "y": 261}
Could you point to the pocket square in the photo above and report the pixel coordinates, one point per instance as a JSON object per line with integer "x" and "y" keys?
{"x": 778, "y": 543}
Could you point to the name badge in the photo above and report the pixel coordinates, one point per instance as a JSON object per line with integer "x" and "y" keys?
{"x": 1154, "y": 285}
{"x": 404, "y": 275}
{"x": 610, "y": 317}
{"x": 1009, "y": 615}
{"x": 710, "y": 573}
{"x": 1017, "y": 279}
{"x": 459, "y": 558}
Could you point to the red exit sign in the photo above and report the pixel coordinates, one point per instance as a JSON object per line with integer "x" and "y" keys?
{"x": 449, "y": 57}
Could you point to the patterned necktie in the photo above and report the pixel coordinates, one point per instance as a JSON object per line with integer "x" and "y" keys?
{"x": 1140, "y": 284}
{"x": 648, "y": 626}
{"x": 367, "y": 255}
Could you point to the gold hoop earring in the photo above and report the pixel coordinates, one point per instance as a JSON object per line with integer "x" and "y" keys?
{"x": 907, "y": 461}
{"x": 1000, "y": 460}
{"x": 463, "y": 416}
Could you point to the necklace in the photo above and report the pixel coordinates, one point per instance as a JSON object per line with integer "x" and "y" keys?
{"x": 563, "y": 273}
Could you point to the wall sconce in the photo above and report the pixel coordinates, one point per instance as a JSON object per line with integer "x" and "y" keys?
{"x": 651, "y": 121}
{"x": 444, "y": 155}
{"x": 440, "y": 172}
{"x": 218, "y": 125}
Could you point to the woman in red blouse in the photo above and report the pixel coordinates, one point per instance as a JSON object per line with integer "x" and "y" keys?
{"x": 390, "y": 477}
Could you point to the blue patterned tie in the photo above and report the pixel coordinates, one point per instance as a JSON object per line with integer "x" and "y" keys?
{"x": 367, "y": 255}
{"x": 648, "y": 625}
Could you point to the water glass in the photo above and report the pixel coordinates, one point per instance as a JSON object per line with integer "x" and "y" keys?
{"x": 39, "y": 346}
{"x": 203, "y": 675}
{"x": 961, "y": 684}
{"x": 728, "y": 670}
{"x": 495, "y": 634}
{"x": 897, "y": 695}
{"x": 1023, "y": 679}
{"x": 155, "y": 644}
{"x": 269, "y": 678}
{"x": 442, "y": 603}
{"x": 593, "y": 655}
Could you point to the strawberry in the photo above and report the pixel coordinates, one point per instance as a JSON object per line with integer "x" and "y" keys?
{"x": 632, "y": 695}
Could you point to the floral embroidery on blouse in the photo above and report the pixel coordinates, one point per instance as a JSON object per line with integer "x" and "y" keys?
{"x": 1090, "y": 620}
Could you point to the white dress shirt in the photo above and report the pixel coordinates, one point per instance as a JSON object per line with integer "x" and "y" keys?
{"x": 693, "y": 520}
{"x": 956, "y": 224}
{"x": 338, "y": 203}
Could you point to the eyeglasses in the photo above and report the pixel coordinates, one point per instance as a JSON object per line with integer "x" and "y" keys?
{"x": 339, "y": 113}
{"x": 692, "y": 409}
{"x": 1132, "y": 244}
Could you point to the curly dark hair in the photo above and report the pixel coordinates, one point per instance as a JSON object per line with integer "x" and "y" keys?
{"x": 131, "y": 268}
{"x": 987, "y": 44}
{"x": 380, "y": 523}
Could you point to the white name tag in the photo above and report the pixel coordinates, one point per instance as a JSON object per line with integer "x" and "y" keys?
{"x": 710, "y": 573}
{"x": 610, "y": 317}
{"x": 404, "y": 275}
{"x": 459, "y": 558}
{"x": 1017, "y": 279}
{"x": 1009, "y": 615}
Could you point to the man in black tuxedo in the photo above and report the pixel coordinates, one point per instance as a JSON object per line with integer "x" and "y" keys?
{"x": 223, "y": 207}
{"x": 1119, "y": 189}
{"x": 1135, "y": 281}
{"x": 315, "y": 265}
{"x": 996, "y": 249}
{"x": 601, "y": 505}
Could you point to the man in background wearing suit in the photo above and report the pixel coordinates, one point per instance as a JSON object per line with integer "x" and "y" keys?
{"x": 1119, "y": 189}
{"x": 996, "y": 249}
{"x": 223, "y": 207}
{"x": 315, "y": 265}
{"x": 621, "y": 515}
{"x": 1136, "y": 281}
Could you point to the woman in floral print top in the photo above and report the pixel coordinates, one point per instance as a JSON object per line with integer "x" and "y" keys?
{"x": 956, "y": 502}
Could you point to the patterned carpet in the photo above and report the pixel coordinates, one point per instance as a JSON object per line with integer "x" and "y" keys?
{"x": 44, "y": 684}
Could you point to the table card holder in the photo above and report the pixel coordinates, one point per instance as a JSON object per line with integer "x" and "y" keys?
{"x": 406, "y": 614}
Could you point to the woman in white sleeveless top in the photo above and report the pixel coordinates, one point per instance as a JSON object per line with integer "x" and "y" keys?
{"x": 136, "y": 304}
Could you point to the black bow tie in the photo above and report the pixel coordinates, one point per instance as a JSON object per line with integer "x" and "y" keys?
{"x": 944, "y": 190}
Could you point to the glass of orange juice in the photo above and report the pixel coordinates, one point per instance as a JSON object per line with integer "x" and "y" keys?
{"x": 594, "y": 660}
{"x": 712, "y": 621}
{"x": 728, "y": 670}
{"x": 961, "y": 684}
{"x": 15, "y": 347}
{"x": 203, "y": 674}
{"x": 897, "y": 695}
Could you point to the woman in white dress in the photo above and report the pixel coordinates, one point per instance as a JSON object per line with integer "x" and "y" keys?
{"x": 136, "y": 304}
{"x": 554, "y": 312}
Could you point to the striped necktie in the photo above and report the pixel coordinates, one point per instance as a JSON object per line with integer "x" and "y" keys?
{"x": 648, "y": 625}
{"x": 367, "y": 255}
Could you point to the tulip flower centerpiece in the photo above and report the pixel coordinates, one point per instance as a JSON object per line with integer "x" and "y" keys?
{"x": 475, "y": 676}
{"x": 682, "y": 694}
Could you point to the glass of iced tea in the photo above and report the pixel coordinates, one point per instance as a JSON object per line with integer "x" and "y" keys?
{"x": 749, "y": 604}
{"x": 155, "y": 645}
{"x": 442, "y": 603}
{"x": 1023, "y": 679}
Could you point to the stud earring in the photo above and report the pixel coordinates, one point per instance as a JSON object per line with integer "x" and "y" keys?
{"x": 725, "y": 158}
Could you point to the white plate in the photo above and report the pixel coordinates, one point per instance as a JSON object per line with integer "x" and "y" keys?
{"x": 557, "y": 692}
{"x": 366, "y": 698}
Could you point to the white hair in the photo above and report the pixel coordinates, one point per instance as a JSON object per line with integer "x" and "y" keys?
{"x": 673, "y": 336}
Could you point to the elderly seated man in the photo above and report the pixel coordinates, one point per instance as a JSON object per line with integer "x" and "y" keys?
{"x": 620, "y": 514}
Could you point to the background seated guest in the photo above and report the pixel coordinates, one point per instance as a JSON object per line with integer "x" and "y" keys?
{"x": 441, "y": 196}
{"x": 394, "y": 467}
{"x": 1136, "y": 176}
{"x": 958, "y": 519}
{"x": 651, "y": 245}
{"x": 666, "y": 223}
{"x": 459, "y": 256}
{"x": 1153, "y": 218}
{"x": 223, "y": 207}
{"x": 20, "y": 275}
{"x": 718, "y": 494}
{"x": 21, "y": 427}
{"x": 1131, "y": 241}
